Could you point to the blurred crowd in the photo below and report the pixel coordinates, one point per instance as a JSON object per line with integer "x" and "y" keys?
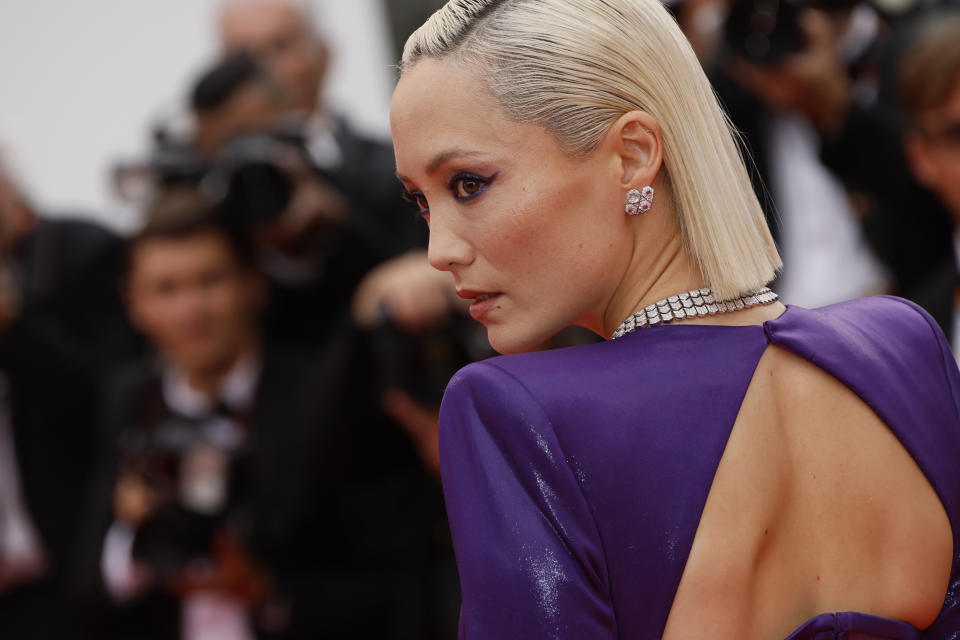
{"x": 223, "y": 426}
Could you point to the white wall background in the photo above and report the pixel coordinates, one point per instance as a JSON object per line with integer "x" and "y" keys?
{"x": 81, "y": 83}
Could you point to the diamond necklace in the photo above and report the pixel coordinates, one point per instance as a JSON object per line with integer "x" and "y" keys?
{"x": 691, "y": 304}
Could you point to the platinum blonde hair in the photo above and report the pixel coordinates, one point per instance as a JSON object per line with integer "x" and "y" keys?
{"x": 575, "y": 66}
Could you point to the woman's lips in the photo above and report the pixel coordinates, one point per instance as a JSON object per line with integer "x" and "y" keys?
{"x": 482, "y": 304}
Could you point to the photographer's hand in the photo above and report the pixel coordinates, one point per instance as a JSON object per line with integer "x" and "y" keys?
{"x": 417, "y": 296}
{"x": 234, "y": 572}
{"x": 133, "y": 499}
{"x": 314, "y": 201}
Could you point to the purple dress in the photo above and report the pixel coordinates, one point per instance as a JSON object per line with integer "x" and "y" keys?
{"x": 575, "y": 479}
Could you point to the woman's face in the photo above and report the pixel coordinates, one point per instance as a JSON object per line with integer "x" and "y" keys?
{"x": 536, "y": 238}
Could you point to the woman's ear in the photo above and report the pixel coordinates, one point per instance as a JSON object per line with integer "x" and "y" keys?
{"x": 637, "y": 141}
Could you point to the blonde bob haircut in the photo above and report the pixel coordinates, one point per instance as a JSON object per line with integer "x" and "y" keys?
{"x": 575, "y": 66}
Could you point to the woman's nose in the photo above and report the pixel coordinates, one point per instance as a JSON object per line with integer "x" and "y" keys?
{"x": 448, "y": 247}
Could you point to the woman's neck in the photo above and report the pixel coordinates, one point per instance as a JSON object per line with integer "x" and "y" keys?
{"x": 668, "y": 271}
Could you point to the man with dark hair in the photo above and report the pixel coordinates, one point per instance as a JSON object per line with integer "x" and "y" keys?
{"x": 930, "y": 94}
{"x": 233, "y": 97}
{"x": 218, "y": 477}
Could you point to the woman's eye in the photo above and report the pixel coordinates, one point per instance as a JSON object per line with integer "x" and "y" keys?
{"x": 416, "y": 198}
{"x": 467, "y": 187}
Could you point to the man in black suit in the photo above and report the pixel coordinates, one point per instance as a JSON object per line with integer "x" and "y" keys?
{"x": 404, "y": 287}
{"x": 314, "y": 241}
{"x": 61, "y": 325}
{"x": 215, "y": 507}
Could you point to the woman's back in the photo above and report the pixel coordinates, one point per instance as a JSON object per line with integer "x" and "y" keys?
{"x": 699, "y": 473}
{"x": 816, "y": 506}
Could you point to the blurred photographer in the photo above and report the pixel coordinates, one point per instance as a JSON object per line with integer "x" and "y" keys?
{"x": 58, "y": 279}
{"x": 220, "y": 456}
{"x": 281, "y": 35}
{"x": 415, "y": 324}
{"x": 247, "y": 153}
{"x": 61, "y": 325}
{"x": 414, "y": 332}
{"x": 787, "y": 73}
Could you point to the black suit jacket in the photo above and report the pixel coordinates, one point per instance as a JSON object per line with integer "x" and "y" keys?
{"x": 341, "y": 513}
{"x": 70, "y": 328}
{"x": 368, "y": 177}
{"x": 379, "y": 225}
{"x": 289, "y": 482}
{"x": 936, "y": 294}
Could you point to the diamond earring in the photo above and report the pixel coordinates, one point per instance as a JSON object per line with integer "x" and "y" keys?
{"x": 639, "y": 201}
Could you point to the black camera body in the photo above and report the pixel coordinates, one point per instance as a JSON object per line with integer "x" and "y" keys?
{"x": 246, "y": 180}
{"x": 193, "y": 468}
{"x": 764, "y": 32}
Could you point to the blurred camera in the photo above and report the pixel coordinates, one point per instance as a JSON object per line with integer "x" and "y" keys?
{"x": 189, "y": 467}
{"x": 765, "y": 32}
{"x": 247, "y": 179}
{"x": 243, "y": 151}
{"x": 421, "y": 364}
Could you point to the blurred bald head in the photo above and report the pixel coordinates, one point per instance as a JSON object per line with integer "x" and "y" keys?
{"x": 281, "y": 34}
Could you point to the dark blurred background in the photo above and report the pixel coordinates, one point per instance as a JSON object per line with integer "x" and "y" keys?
{"x": 222, "y": 349}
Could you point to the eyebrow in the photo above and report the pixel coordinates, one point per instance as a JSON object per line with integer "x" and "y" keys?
{"x": 442, "y": 157}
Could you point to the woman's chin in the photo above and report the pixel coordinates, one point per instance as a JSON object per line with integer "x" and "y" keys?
{"x": 506, "y": 342}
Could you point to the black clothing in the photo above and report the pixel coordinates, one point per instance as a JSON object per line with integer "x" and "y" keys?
{"x": 285, "y": 482}
{"x": 937, "y": 294}
{"x": 70, "y": 327}
{"x": 379, "y": 225}
{"x": 368, "y": 177}
{"x": 906, "y": 227}
{"x": 338, "y": 509}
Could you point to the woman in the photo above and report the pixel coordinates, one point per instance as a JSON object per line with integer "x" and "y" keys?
{"x": 727, "y": 467}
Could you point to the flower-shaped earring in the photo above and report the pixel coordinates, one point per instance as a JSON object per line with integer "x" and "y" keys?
{"x": 639, "y": 201}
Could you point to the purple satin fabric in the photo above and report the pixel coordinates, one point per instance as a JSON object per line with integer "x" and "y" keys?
{"x": 575, "y": 479}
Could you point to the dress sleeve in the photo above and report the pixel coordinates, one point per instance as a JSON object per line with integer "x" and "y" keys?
{"x": 528, "y": 551}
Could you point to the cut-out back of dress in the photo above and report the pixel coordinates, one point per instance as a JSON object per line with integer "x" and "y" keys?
{"x": 812, "y": 489}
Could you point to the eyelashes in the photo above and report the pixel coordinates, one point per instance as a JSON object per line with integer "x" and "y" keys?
{"x": 463, "y": 186}
{"x": 417, "y": 198}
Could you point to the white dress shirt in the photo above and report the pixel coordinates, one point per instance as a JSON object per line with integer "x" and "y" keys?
{"x": 826, "y": 257}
